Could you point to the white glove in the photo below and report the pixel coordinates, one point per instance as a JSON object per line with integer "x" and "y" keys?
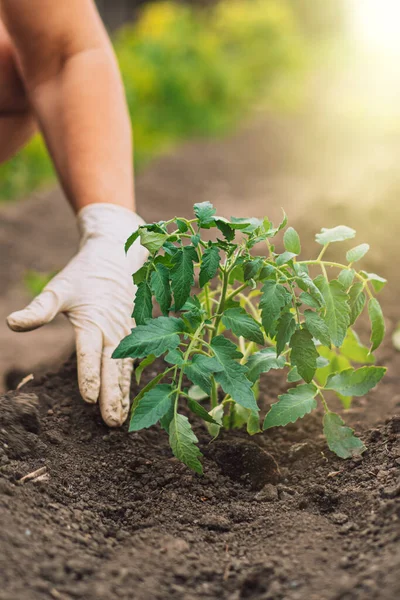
{"x": 95, "y": 291}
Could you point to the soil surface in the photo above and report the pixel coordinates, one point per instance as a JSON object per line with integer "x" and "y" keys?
{"x": 113, "y": 515}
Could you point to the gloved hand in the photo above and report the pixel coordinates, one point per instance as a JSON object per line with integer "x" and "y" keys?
{"x": 95, "y": 291}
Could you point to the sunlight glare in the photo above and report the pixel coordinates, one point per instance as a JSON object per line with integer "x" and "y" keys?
{"x": 376, "y": 24}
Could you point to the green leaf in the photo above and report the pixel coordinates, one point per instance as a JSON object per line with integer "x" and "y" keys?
{"x": 182, "y": 225}
{"x": 336, "y": 234}
{"x": 200, "y": 371}
{"x": 146, "y": 362}
{"x": 132, "y": 239}
{"x": 217, "y": 413}
{"x": 195, "y": 239}
{"x": 377, "y": 282}
{"x": 253, "y": 423}
{"x": 245, "y": 224}
{"x": 308, "y": 299}
{"x": 200, "y": 411}
{"x": 141, "y": 274}
{"x": 251, "y": 268}
{"x": 304, "y": 354}
{"x": 341, "y": 439}
{"x": 196, "y": 393}
{"x": 284, "y": 258}
{"x": 293, "y": 375}
{"x": 232, "y": 377}
{"x": 205, "y": 212}
{"x": 225, "y": 228}
{"x": 285, "y": 329}
{"x": 165, "y": 421}
{"x": 174, "y": 357}
{"x": 151, "y": 407}
{"x": 263, "y": 362}
{"x": 354, "y": 350}
{"x": 146, "y": 389}
{"x": 266, "y": 271}
{"x": 377, "y": 323}
{"x": 182, "y": 274}
{"x": 143, "y": 308}
{"x": 291, "y": 241}
{"x": 155, "y": 337}
{"x": 183, "y": 443}
{"x": 272, "y": 231}
{"x": 355, "y": 382}
{"x": 356, "y": 301}
{"x": 346, "y": 277}
{"x": 337, "y": 315}
{"x": 275, "y": 297}
{"x": 243, "y": 324}
{"x": 305, "y": 283}
{"x": 357, "y": 253}
{"x": 291, "y": 406}
{"x": 336, "y": 362}
{"x": 152, "y": 240}
{"x": 161, "y": 287}
{"x": 209, "y": 265}
{"x": 317, "y": 327}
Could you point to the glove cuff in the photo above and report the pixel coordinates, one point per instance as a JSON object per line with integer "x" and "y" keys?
{"x": 105, "y": 220}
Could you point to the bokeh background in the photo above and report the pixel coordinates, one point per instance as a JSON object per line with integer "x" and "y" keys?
{"x": 251, "y": 104}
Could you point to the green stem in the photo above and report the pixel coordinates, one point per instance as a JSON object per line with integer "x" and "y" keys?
{"x": 221, "y": 305}
{"x": 237, "y": 291}
{"x": 324, "y": 249}
{"x": 324, "y": 403}
{"x": 192, "y": 344}
{"x": 327, "y": 263}
{"x": 214, "y": 393}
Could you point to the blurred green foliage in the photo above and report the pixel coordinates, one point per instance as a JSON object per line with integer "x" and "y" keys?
{"x": 36, "y": 281}
{"x": 188, "y": 72}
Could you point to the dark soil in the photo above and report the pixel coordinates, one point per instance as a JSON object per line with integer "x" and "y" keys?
{"x": 116, "y": 516}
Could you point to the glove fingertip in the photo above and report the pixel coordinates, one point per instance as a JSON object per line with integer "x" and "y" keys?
{"x": 18, "y": 321}
{"x": 89, "y": 390}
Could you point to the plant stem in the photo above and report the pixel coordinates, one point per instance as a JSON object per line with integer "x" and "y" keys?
{"x": 192, "y": 344}
{"x": 327, "y": 263}
{"x": 324, "y": 403}
{"x": 214, "y": 393}
{"x": 221, "y": 305}
{"x": 237, "y": 291}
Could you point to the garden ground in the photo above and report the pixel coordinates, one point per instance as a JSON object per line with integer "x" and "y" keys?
{"x": 115, "y": 516}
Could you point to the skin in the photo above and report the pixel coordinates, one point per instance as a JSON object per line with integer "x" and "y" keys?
{"x": 58, "y": 74}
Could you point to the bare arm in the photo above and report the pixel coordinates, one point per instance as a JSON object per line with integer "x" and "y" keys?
{"x": 74, "y": 87}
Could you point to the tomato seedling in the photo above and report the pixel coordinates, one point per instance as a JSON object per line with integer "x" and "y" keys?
{"x": 246, "y": 315}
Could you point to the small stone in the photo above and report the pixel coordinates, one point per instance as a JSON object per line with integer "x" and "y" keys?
{"x": 391, "y": 491}
{"x": 348, "y": 527}
{"x": 339, "y": 518}
{"x": 215, "y": 522}
{"x": 269, "y": 493}
{"x": 6, "y": 488}
{"x": 394, "y": 424}
{"x": 375, "y": 435}
{"x": 344, "y": 562}
{"x": 54, "y": 437}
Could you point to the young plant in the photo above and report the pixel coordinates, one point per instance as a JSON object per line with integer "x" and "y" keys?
{"x": 246, "y": 315}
